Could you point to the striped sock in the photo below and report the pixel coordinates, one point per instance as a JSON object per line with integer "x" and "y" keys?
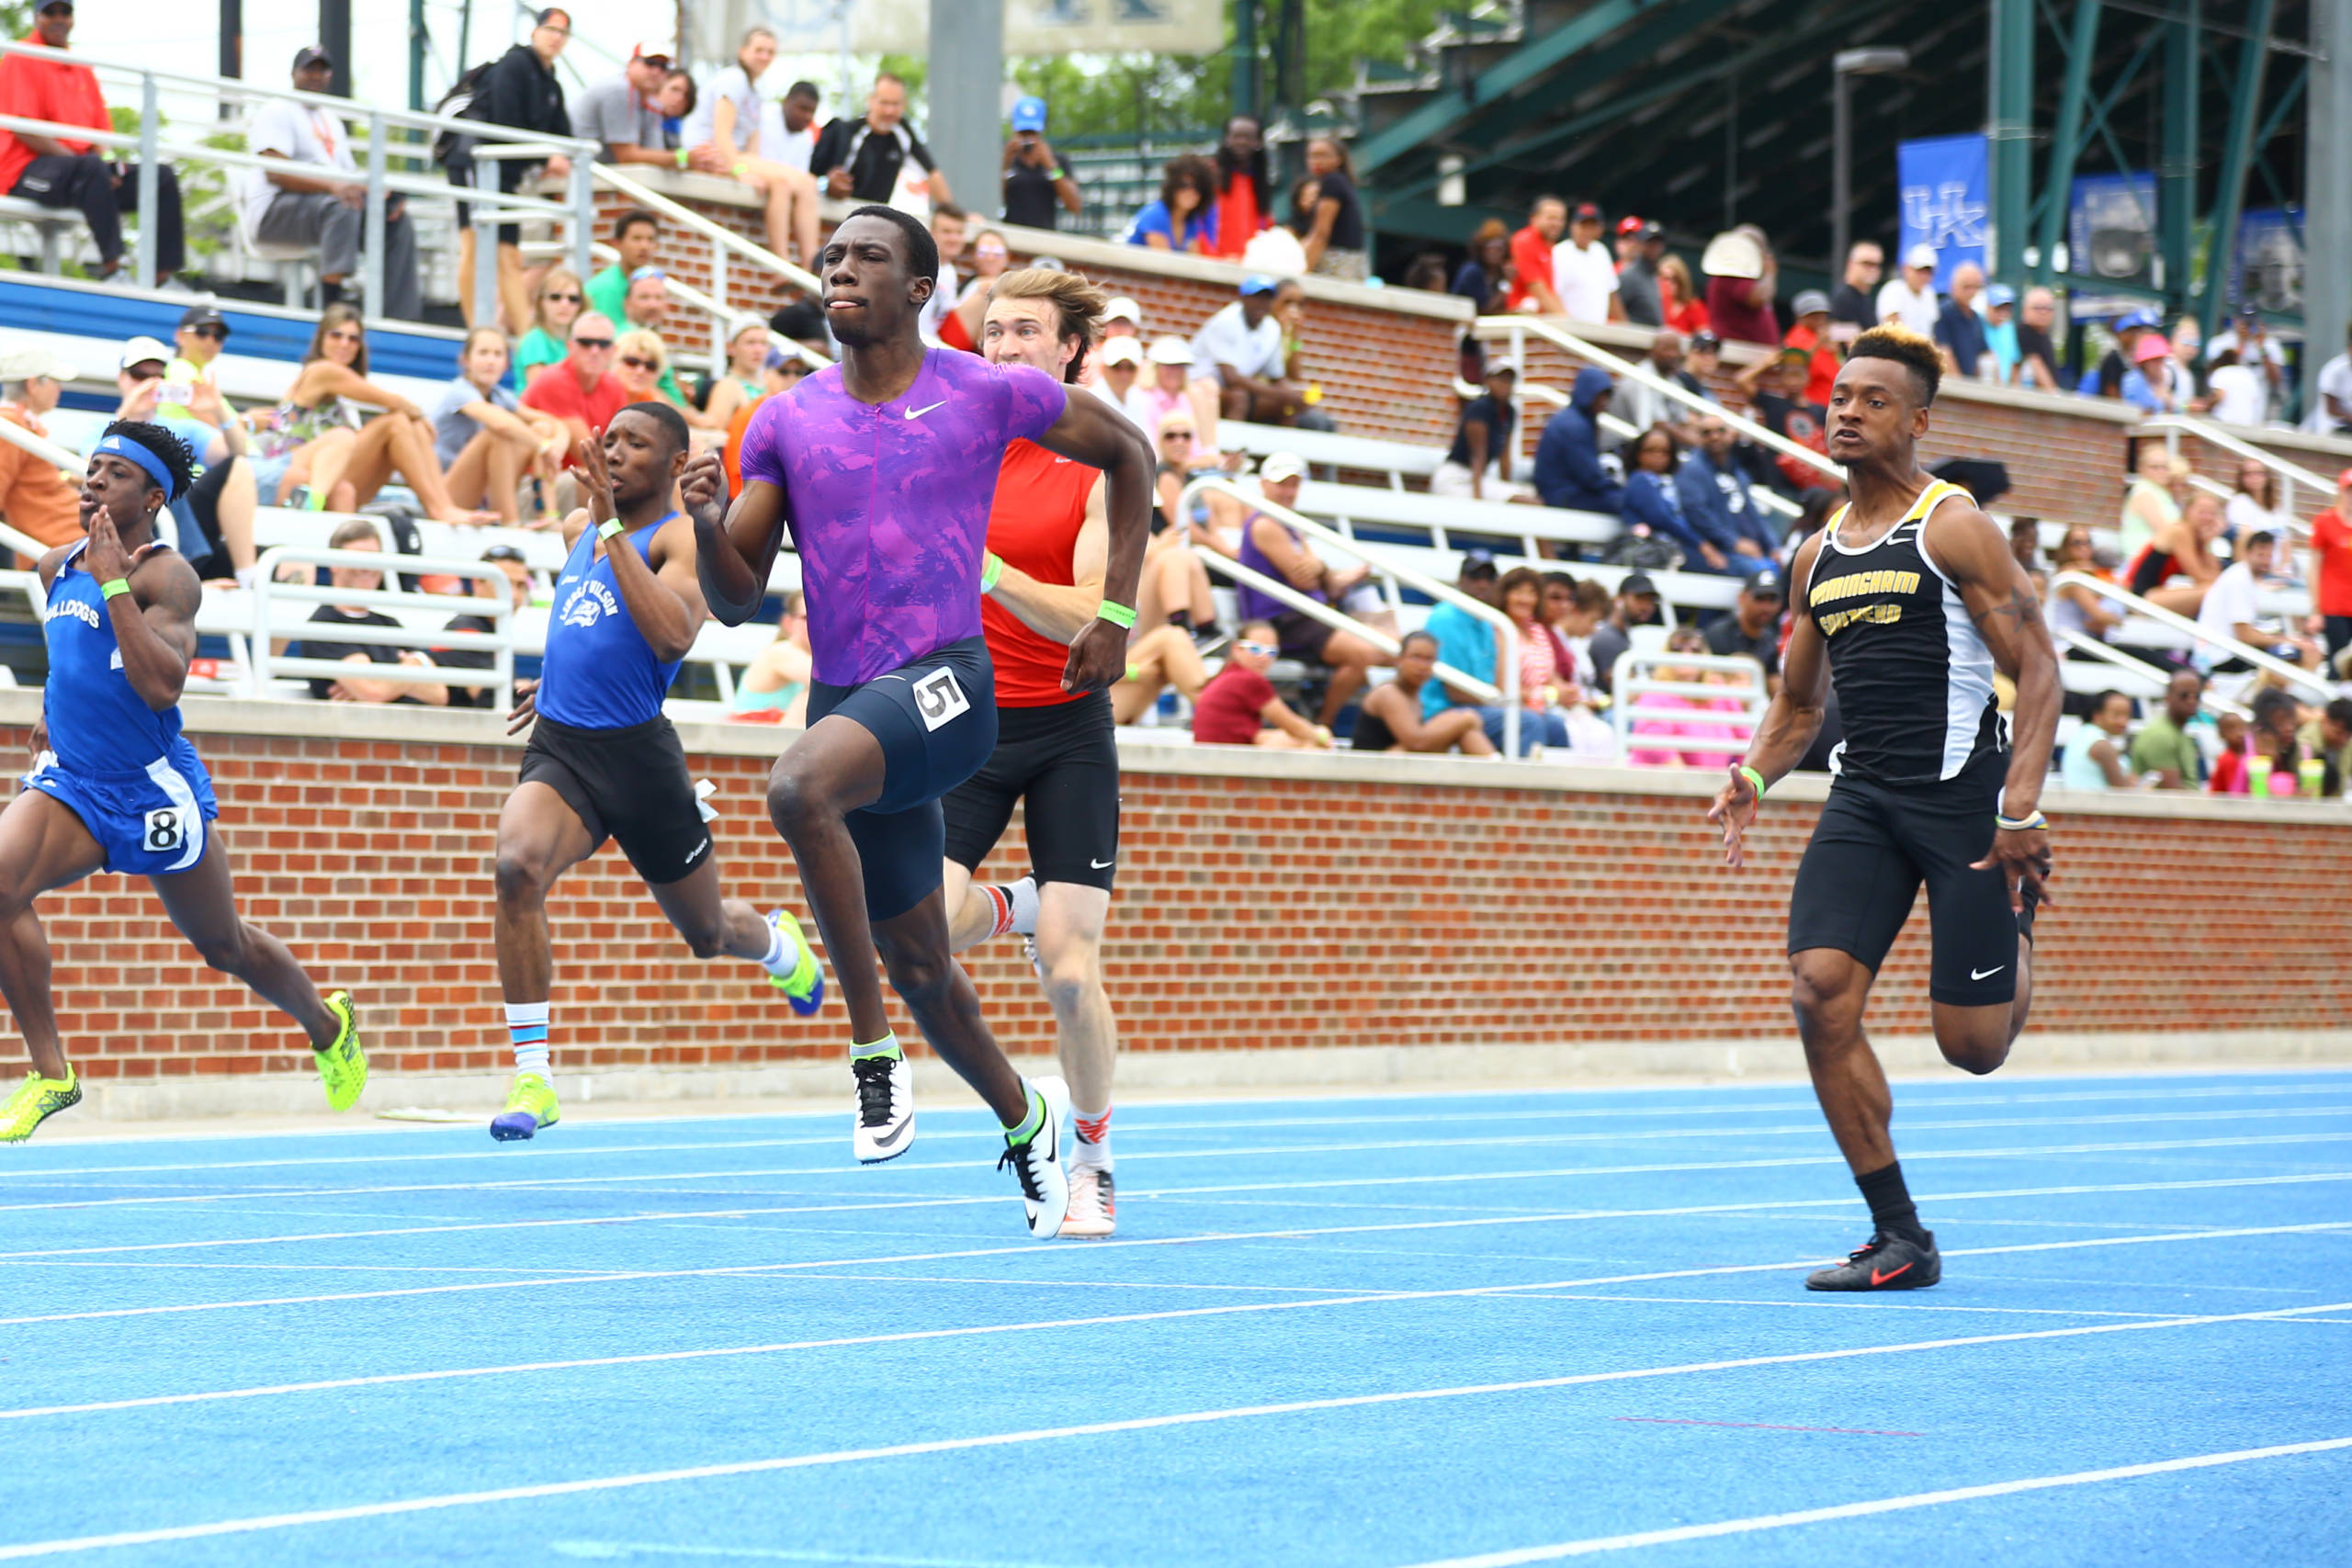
{"x": 527, "y": 1024}
{"x": 1093, "y": 1138}
{"x": 1032, "y": 1122}
{"x": 1012, "y": 907}
{"x": 885, "y": 1046}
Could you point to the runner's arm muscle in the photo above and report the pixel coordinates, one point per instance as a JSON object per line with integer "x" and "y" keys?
{"x": 734, "y": 546}
{"x": 157, "y": 634}
{"x": 665, "y": 600}
{"x": 1050, "y": 609}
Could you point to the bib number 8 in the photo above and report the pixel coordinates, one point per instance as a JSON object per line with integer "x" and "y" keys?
{"x": 165, "y": 829}
{"x": 939, "y": 698}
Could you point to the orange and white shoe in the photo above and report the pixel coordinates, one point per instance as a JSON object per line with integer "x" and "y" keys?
{"x": 1093, "y": 1203}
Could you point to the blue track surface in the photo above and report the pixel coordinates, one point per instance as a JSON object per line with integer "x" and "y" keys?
{"x": 1354, "y": 1331}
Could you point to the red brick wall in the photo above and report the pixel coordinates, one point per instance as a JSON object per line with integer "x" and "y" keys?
{"x": 1251, "y": 913}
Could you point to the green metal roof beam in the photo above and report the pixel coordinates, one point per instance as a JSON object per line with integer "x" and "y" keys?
{"x": 2237, "y": 151}
{"x": 2066, "y": 144}
{"x": 1522, "y": 66}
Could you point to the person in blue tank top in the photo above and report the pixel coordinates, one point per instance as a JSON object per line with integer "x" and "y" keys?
{"x": 115, "y": 786}
{"x": 603, "y": 762}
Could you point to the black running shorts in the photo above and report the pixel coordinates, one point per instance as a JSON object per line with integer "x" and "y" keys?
{"x": 630, "y": 786}
{"x": 935, "y": 719}
{"x": 1874, "y": 846}
{"x": 1061, "y": 761}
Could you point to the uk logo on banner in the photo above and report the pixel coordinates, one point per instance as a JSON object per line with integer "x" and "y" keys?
{"x": 1946, "y": 199}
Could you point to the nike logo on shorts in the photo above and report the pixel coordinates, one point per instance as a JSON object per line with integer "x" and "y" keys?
{"x": 1984, "y": 974}
{"x": 1102, "y": 864}
{"x": 695, "y": 853}
{"x": 918, "y": 413}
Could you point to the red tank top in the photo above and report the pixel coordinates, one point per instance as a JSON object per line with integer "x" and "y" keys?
{"x": 1040, "y": 507}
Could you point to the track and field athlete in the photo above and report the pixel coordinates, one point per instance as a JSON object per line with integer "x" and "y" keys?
{"x": 115, "y": 786}
{"x": 603, "y": 762}
{"x": 1908, "y": 602}
{"x": 883, "y": 467}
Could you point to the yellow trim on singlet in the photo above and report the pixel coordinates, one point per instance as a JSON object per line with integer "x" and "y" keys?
{"x": 1936, "y": 490}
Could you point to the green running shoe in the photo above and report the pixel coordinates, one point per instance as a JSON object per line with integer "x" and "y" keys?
{"x": 36, "y": 1101}
{"x": 343, "y": 1067}
{"x": 804, "y": 984}
{"x": 530, "y": 1105}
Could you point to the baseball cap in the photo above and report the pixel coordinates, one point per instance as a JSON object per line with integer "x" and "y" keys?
{"x": 2152, "y": 346}
{"x": 1282, "y": 466}
{"x": 1765, "y": 584}
{"x": 1123, "y": 351}
{"x": 2138, "y": 321}
{"x": 2344, "y": 478}
{"x": 2249, "y": 311}
{"x": 1477, "y": 563}
{"x": 545, "y": 15}
{"x": 139, "y": 350}
{"x": 1638, "y": 582}
{"x": 1170, "y": 350}
{"x": 651, "y": 53}
{"x": 1584, "y": 212}
{"x": 1922, "y": 254}
{"x": 1123, "y": 308}
{"x": 1029, "y": 113}
{"x": 1999, "y": 294}
{"x": 54, "y": 6}
{"x": 26, "y": 363}
{"x": 205, "y": 315}
{"x": 1629, "y": 224}
{"x": 641, "y": 273}
{"x": 312, "y": 54}
{"x": 1259, "y": 283}
{"x": 1811, "y": 302}
{"x": 1706, "y": 338}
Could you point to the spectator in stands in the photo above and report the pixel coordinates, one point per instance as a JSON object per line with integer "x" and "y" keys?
{"x": 2331, "y": 411}
{"x": 637, "y": 241}
{"x": 1702, "y": 359}
{"x": 1752, "y": 626}
{"x": 70, "y": 172}
{"x": 2229, "y": 774}
{"x": 2162, "y": 751}
{"x": 216, "y": 516}
{"x": 1546, "y": 669}
{"x": 580, "y": 392}
{"x": 778, "y": 681}
{"x": 1652, "y": 508}
{"x": 557, "y": 300}
{"x": 2105, "y": 378}
{"x": 788, "y": 125}
{"x": 317, "y": 435}
{"x": 1478, "y": 465}
{"x": 2332, "y": 570}
{"x": 1636, "y": 604}
{"x": 1739, "y": 301}
{"x": 2037, "y": 362}
{"x": 1275, "y": 549}
{"x": 2183, "y": 548}
{"x": 1180, "y": 218}
{"x": 2267, "y": 750}
{"x": 1641, "y": 405}
{"x": 2329, "y": 737}
{"x": 2000, "y": 333}
{"x": 1244, "y": 202}
{"x": 1911, "y": 299}
{"x": 782, "y": 371}
{"x": 519, "y": 91}
{"x": 2230, "y": 608}
{"x": 624, "y": 112}
{"x": 1532, "y": 285}
{"x": 1776, "y": 388}
{"x": 1679, "y": 299}
{"x": 2094, "y": 758}
{"x": 1721, "y": 506}
{"x": 677, "y": 99}
{"x": 2256, "y": 505}
{"x": 2235, "y": 391}
{"x": 1334, "y": 239}
{"x": 1960, "y": 331}
{"x": 1853, "y": 307}
{"x": 723, "y": 139}
{"x": 1239, "y": 707}
{"x": 2149, "y": 384}
{"x": 947, "y": 226}
{"x": 2151, "y": 500}
{"x": 746, "y": 378}
{"x": 202, "y": 333}
{"x": 1241, "y": 349}
{"x": 866, "y": 160}
{"x": 1391, "y": 717}
{"x": 646, "y": 309}
{"x": 1484, "y": 279}
{"x": 1170, "y": 389}
{"x": 641, "y": 366}
{"x": 2072, "y": 607}
{"x": 359, "y": 534}
{"x": 484, "y": 437}
{"x": 518, "y": 588}
{"x": 1811, "y": 333}
{"x": 1568, "y": 456}
{"x": 327, "y": 209}
{"x": 1574, "y": 610}
{"x": 1118, "y": 366}
{"x": 1037, "y": 185}
{"x": 1469, "y": 645}
{"x": 34, "y": 497}
{"x": 1583, "y": 274}
{"x": 1640, "y": 246}
{"x": 1685, "y": 640}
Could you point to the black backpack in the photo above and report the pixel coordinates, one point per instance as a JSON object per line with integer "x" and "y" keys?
{"x": 450, "y": 150}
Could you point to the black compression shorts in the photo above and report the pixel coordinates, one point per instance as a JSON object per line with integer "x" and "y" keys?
{"x": 935, "y": 719}
{"x": 1061, "y": 761}
{"x": 630, "y": 786}
{"x": 1873, "y": 848}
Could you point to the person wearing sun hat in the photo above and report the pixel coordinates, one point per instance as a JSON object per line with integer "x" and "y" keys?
{"x": 2148, "y": 384}
{"x": 34, "y": 497}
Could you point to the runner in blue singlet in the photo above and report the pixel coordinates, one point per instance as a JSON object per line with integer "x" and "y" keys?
{"x": 116, "y": 787}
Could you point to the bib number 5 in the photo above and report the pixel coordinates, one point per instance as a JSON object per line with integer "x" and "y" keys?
{"x": 166, "y": 829}
{"x": 939, "y": 698}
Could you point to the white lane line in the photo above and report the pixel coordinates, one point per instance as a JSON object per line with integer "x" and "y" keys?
{"x": 1192, "y": 1239}
{"x": 1140, "y": 1126}
{"x": 1092, "y": 1429}
{"x": 1594, "y": 1545}
{"x": 1352, "y": 1298}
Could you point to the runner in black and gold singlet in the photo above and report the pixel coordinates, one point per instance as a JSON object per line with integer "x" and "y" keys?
{"x": 1908, "y": 602}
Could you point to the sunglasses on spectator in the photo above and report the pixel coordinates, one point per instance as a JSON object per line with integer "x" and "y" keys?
{"x": 1176, "y": 432}
{"x": 591, "y": 342}
{"x": 567, "y": 298}
{"x": 1263, "y": 650}
{"x": 634, "y": 363}
{"x": 502, "y": 552}
{"x": 219, "y": 334}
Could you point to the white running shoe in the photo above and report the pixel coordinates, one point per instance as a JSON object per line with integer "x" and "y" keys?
{"x": 886, "y": 1109}
{"x": 1038, "y": 1166}
{"x": 1093, "y": 1206}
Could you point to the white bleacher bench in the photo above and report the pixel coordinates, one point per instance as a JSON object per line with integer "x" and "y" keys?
{"x": 1400, "y": 460}
{"x": 1349, "y": 507}
{"x": 53, "y": 223}
{"x": 295, "y": 264}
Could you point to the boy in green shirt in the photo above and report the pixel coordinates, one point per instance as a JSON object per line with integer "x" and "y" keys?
{"x": 2164, "y": 745}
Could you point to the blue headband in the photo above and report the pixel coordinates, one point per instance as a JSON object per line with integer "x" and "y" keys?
{"x": 132, "y": 452}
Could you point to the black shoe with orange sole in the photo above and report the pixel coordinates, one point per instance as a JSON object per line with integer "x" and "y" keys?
{"x": 1884, "y": 1263}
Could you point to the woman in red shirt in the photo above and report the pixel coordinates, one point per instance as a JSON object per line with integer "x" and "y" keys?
{"x": 1244, "y": 205}
{"x": 2332, "y": 562}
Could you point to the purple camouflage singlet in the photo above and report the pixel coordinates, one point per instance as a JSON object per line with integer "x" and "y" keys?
{"x": 889, "y": 503}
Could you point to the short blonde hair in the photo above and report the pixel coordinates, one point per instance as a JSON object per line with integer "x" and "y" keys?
{"x": 645, "y": 345}
{"x": 1080, "y": 304}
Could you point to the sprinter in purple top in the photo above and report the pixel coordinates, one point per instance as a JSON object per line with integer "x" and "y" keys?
{"x": 884, "y": 470}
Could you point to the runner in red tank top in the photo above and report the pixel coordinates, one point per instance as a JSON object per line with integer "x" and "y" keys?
{"x": 1056, "y": 754}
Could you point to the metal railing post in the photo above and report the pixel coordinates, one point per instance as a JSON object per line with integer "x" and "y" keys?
{"x": 583, "y": 215}
{"x": 371, "y": 257}
{"x": 149, "y": 220}
{"x": 487, "y": 305}
{"x": 719, "y": 330}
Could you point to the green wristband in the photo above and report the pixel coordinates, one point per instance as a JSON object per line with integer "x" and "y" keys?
{"x": 1754, "y": 780}
{"x": 1117, "y": 615}
{"x": 608, "y": 527}
{"x": 682, "y": 157}
{"x": 115, "y": 588}
{"x": 992, "y": 567}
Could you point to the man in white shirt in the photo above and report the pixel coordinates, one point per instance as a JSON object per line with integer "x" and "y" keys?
{"x": 2230, "y": 609}
{"x": 947, "y": 233}
{"x": 1120, "y": 365}
{"x": 618, "y": 112}
{"x": 2330, "y": 410}
{"x": 788, "y": 125}
{"x": 328, "y": 209}
{"x": 1583, "y": 272}
{"x": 1237, "y": 356}
{"x": 1911, "y": 299}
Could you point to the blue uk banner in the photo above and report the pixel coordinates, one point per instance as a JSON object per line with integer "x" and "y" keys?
{"x": 1945, "y": 199}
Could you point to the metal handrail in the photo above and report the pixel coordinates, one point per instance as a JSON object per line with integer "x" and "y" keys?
{"x": 2231, "y": 646}
{"x": 722, "y": 239}
{"x": 1624, "y": 430}
{"x": 498, "y": 607}
{"x": 2141, "y": 667}
{"x": 1519, "y": 326}
{"x": 2173, "y": 426}
{"x": 1507, "y": 691}
{"x": 1628, "y": 687}
{"x": 695, "y": 299}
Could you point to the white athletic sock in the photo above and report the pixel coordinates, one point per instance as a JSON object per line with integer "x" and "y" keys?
{"x": 1094, "y": 1141}
{"x": 527, "y": 1022}
{"x": 1022, "y": 895}
{"x": 777, "y": 944}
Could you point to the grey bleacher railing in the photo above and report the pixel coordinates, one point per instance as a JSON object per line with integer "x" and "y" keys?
{"x": 2147, "y": 680}
{"x": 2173, "y": 426}
{"x": 271, "y": 599}
{"x": 1770, "y": 499}
{"x": 2230, "y": 647}
{"x": 1631, "y": 679}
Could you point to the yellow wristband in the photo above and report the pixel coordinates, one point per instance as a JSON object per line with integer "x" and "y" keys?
{"x": 991, "y": 568}
{"x": 1117, "y": 615}
{"x": 1754, "y": 780}
{"x": 115, "y": 588}
{"x": 682, "y": 157}
{"x": 608, "y": 527}
{"x": 738, "y": 170}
